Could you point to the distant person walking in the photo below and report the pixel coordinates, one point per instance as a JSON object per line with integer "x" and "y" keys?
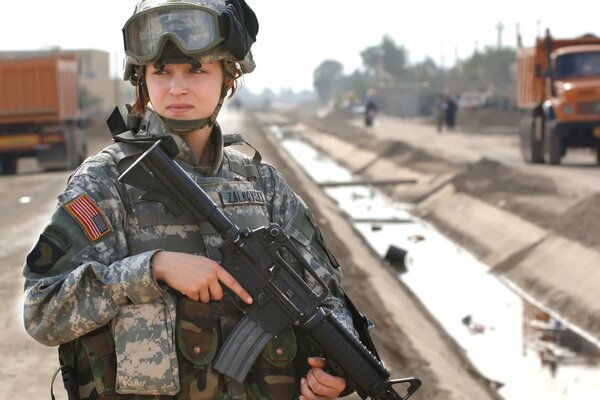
{"x": 370, "y": 108}
{"x": 440, "y": 111}
{"x": 450, "y": 113}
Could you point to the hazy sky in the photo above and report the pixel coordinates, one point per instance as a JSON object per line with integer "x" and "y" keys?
{"x": 296, "y": 36}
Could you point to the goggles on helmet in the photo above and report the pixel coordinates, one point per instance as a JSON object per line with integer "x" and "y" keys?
{"x": 194, "y": 29}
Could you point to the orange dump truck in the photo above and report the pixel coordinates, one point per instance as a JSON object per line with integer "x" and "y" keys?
{"x": 558, "y": 84}
{"x": 39, "y": 113}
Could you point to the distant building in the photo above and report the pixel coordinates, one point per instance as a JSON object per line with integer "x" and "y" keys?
{"x": 401, "y": 98}
{"x": 99, "y": 92}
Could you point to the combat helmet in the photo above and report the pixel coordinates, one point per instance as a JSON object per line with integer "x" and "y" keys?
{"x": 190, "y": 31}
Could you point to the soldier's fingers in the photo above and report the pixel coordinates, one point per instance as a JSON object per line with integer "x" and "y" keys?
{"x": 323, "y": 384}
{"x": 204, "y": 295}
{"x": 234, "y": 285}
{"x": 306, "y": 391}
{"x": 318, "y": 362}
{"x": 216, "y": 291}
{"x": 191, "y": 294}
{"x": 335, "y": 382}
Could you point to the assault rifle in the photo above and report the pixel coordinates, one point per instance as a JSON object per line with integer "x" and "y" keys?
{"x": 281, "y": 297}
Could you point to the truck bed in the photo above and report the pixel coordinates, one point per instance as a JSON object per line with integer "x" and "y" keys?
{"x": 38, "y": 90}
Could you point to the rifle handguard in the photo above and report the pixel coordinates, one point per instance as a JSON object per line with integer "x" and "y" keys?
{"x": 345, "y": 349}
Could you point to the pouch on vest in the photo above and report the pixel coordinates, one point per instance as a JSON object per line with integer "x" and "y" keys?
{"x": 90, "y": 360}
{"x": 197, "y": 335}
{"x": 273, "y": 375}
{"x": 198, "y": 339}
{"x": 145, "y": 355}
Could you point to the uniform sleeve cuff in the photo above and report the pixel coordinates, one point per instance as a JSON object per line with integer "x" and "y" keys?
{"x": 142, "y": 287}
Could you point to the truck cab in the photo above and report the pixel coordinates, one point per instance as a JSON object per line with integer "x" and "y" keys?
{"x": 558, "y": 85}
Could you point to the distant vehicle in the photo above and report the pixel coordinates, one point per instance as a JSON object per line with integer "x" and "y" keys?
{"x": 558, "y": 85}
{"x": 472, "y": 100}
{"x": 39, "y": 113}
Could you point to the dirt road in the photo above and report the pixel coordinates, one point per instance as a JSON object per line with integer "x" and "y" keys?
{"x": 579, "y": 166}
{"x": 26, "y": 202}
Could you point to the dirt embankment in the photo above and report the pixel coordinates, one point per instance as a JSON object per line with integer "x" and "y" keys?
{"x": 399, "y": 317}
{"x": 535, "y": 198}
{"x": 513, "y": 218}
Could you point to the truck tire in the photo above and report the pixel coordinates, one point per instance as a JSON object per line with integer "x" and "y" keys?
{"x": 8, "y": 165}
{"x": 553, "y": 146}
{"x": 531, "y": 147}
{"x": 82, "y": 155}
{"x": 82, "y": 146}
{"x": 72, "y": 159}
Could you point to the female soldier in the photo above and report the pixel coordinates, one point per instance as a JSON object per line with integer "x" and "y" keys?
{"x": 133, "y": 294}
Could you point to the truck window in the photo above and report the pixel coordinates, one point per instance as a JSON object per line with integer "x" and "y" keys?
{"x": 578, "y": 65}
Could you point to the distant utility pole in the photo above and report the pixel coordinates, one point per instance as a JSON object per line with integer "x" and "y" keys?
{"x": 116, "y": 81}
{"x": 456, "y": 56}
{"x": 500, "y": 28}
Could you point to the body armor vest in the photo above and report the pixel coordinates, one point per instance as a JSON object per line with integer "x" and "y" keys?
{"x": 200, "y": 328}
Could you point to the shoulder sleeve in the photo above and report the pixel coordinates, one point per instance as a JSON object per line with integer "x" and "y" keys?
{"x": 79, "y": 272}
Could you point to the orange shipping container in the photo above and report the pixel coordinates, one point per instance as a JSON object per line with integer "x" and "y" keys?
{"x": 39, "y": 113}
{"x": 38, "y": 90}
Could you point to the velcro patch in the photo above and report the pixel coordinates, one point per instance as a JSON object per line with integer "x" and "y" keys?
{"x": 89, "y": 216}
{"x": 242, "y": 197}
{"x": 44, "y": 255}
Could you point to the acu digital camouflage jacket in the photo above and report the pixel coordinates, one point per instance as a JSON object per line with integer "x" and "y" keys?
{"x": 89, "y": 285}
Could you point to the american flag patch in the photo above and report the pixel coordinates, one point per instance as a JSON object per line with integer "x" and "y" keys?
{"x": 89, "y": 216}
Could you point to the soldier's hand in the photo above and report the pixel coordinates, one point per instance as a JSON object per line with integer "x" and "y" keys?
{"x": 196, "y": 277}
{"x": 318, "y": 384}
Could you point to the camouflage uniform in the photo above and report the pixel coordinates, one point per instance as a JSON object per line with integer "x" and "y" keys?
{"x": 89, "y": 285}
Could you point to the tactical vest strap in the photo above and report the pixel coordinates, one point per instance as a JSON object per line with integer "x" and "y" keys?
{"x": 67, "y": 357}
{"x": 237, "y": 139}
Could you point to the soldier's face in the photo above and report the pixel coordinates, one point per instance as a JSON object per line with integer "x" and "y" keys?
{"x": 181, "y": 92}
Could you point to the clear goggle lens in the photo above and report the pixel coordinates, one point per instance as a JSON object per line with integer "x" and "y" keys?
{"x": 193, "y": 30}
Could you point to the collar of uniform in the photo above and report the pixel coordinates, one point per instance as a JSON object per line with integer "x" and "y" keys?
{"x": 154, "y": 126}
{"x": 187, "y": 155}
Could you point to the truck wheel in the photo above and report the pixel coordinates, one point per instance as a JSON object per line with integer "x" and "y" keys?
{"x": 531, "y": 147}
{"x": 8, "y": 165}
{"x": 537, "y": 140}
{"x": 82, "y": 156}
{"x": 72, "y": 148}
{"x": 553, "y": 147}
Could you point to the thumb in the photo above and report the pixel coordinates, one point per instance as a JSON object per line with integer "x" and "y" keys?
{"x": 316, "y": 362}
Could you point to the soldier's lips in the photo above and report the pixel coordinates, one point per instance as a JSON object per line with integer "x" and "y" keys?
{"x": 179, "y": 108}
